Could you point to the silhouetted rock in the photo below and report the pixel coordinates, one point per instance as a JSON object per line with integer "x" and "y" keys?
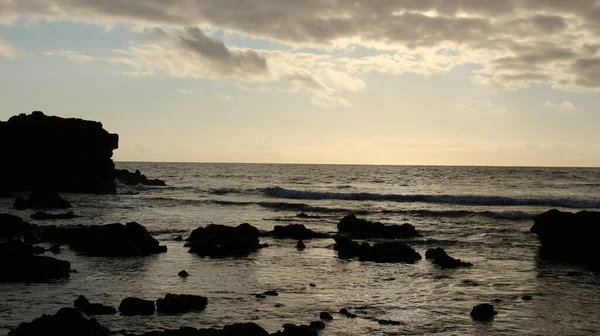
{"x": 40, "y": 215}
{"x": 379, "y": 252}
{"x": 111, "y": 240}
{"x": 14, "y": 227}
{"x": 317, "y": 325}
{"x": 85, "y": 306}
{"x": 183, "y": 274}
{"x": 18, "y": 263}
{"x": 569, "y": 236}
{"x": 294, "y": 231}
{"x": 271, "y": 293}
{"x": 41, "y": 200}
{"x": 526, "y": 298}
{"x": 173, "y": 304}
{"x": 345, "y": 312}
{"x": 483, "y": 312}
{"x": 388, "y": 322}
{"x": 178, "y": 238}
{"x": 362, "y": 228}
{"x": 224, "y": 241}
{"x": 129, "y": 178}
{"x": 325, "y": 316}
{"x": 296, "y": 330}
{"x": 52, "y": 153}
{"x": 55, "y": 248}
{"x": 66, "y": 322}
{"x": 135, "y": 306}
{"x": 300, "y": 245}
{"x": 439, "y": 257}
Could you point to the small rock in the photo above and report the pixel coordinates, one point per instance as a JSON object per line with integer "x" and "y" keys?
{"x": 317, "y": 325}
{"x": 81, "y": 302}
{"x": 388, "y": 322}
{"x": 173, "y": 304}
{"x": 300, "y": 245}
{"x": 346, "y": 313}
{"x": 178, "y": 238}
{"x": 312, "y": 285}
{"x": 526, "y": 297}
{"x": 497, "y": 300}
{"x": 325, "y": 316}
{"x": 55, "y": 249}
{"x": 135, "y": 306}
{"x": 270, "y": 293}
{"x": 183, "y": 274}
{"x": 483, "y": 312}
{"x": 260, "y": 296}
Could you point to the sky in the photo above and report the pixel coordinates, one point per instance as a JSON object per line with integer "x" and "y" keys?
{"x": 454, "y": 82}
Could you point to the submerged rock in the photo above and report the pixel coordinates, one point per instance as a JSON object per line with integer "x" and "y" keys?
{"x": 134, "y": 306}
{"x": 85, "y": 306}
{"x": 294, "y": 231}
{"x": 129, "y": 178}
{"x": 362, "y": 228}
{"x": 66, "y": 322}
{"x": 41, "y": 200}
{"x": 40, "y": 152}
{"x": 18, "y": 263}
{"x": 224, "y": 241}
{"x": 439, "y": 257}
{"x": 483, "y": 312}
{"x": 569, "y": 236}
{"x": 173, "y": 304}
{"x": 110, "y": 240}
{"x": 40, "y": 215}
{"x": 389, "y": 252}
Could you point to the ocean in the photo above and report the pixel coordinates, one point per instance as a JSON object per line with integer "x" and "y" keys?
{"x": 478, "y": 214}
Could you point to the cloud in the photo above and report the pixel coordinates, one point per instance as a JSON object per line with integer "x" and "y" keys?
{"x": 224, "y": 96}
{"x": 7, "y": 50}
{"x": 563, "y": 105}
{"x": 185, "y": 92}
{"x": 517, "y": 43}
{"x": 71, "y": 55}
{"x": 479, "y": 106}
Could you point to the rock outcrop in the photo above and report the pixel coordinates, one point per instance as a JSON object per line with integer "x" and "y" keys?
{"x": 66, "y": 322}
{"x": 40, "y": 152}
{"x": 439, "y": 257}
{"x": 12, "y": 226}
{"x": 110, "y": 240}
{"x": 85, "y": 306}
{"x": 41, "y": 200}
{"x": 224, "y": 241}
{"x": 569, "y": 236}
{"x": 294, "y": 231}
{"x": 387, "y": 252}
{"x": 362, "y": 228}
{"x": 483, "y": 312}
{"x": 135, "y": 306}
{"x": 173, "y": 304}
{"x": 19, "y": 263}
{"x": 129, "y": 178}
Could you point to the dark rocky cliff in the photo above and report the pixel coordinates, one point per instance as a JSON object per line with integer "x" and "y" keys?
{"x": 40, "y": 152}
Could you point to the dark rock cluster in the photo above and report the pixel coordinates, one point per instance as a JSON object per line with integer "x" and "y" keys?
{"x": 129, "y": 178}
{"x": 362, "y": 228}
{"x": 173, "y": 304}
{"x": 295, "y": 231}
{"x": 66, "y": 322}
{"x": 84, "y": 305}
{"x": 224, "y": 241}
{"x": 40, "y": 152}
{"x": 41, "y": 200}
{"x": 388, "y": 252}
{"x": 19, "y": 263}
{"x": 438, "y": 256}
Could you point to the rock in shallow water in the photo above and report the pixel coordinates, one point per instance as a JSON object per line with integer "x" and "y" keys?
{"x": 85, "y": 306}
{"x": 129, "y": 178}
{"x": 41, "y": 215}
{"x": 41, "y": 200}
{"x": 136, "y": 306}
{"x": 483, "y": 312}
{"x": 439, "y": 257}
{"x": 66, "y": 322}
{"x": 388, "y": 252}
{"x": 18, "y": 263}
{"x": 224, "y": 241}
{"x": 294, "y": 231}
{"x": 362, "y": 228}
{"x": 173, "y": 304}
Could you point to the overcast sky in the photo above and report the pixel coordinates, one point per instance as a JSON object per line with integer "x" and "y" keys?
{"x": 459, "y": 82}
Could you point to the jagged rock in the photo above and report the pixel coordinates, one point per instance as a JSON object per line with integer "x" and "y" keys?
{"x": 40, "y": 215}
{"x": 183, "y": 274}
{"x": 325, "y": 316}
{"x": 300, "y": 245}
{"x": 173, "y": 304}
{"x": 18, "y": 263}
{"x": 483, "y": 312}
{"x": 136, "y": 306}
{"x": 129, "y": 178}
{"x": 85, "y": 306}
{"x": 379, "y": 252}
{"x": 14, "y": 227}
{"x": 224, "y": 241}
{"x": 111, "y": 240}
{"x": 294, "y": 231}
{"x": 569, "y": 236}
{"x": 362, "y": 228}
{"x": 296, "y": 330}
{"x": 66, "y": 322}
{"x": 53, "y": 153}
{"x": 345, "y": 312}
{"x": 439, "y": 257}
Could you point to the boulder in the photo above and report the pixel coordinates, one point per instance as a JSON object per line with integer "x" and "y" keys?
{"x": 569, "y": 236}
{"x": 294, "y": 231}
{"x": 135, "y": 306}
{"x": 317, "y": 325}
{"x": 296, "y": 330}
{"x": 388, "y": 322}
{"x": 183, "y": 273}
{"x": 173, "y": 304}
{"x": 300, "y": 245}
{"x": 42, "y": 200}
{"x": 361, "y": 228}
{"x": 129, "y": 178}
{"x": 41, "y": 215}
{"x": 18, "y": 263}
{"x": 439, "y": 257}
{"x": 53, "y": 153}
{"x": 345, "y": 312}
{"x": 85, "y": 306}
{"x": 224, "y": 241}
{"x": 483, "y": 312}
{"x": 325, "y": 316}
{"x": 66, "y": 322}
{"x": 14, "y": 227}
{"x": 388, "y": 252}
{"x": 110, "y": 240}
